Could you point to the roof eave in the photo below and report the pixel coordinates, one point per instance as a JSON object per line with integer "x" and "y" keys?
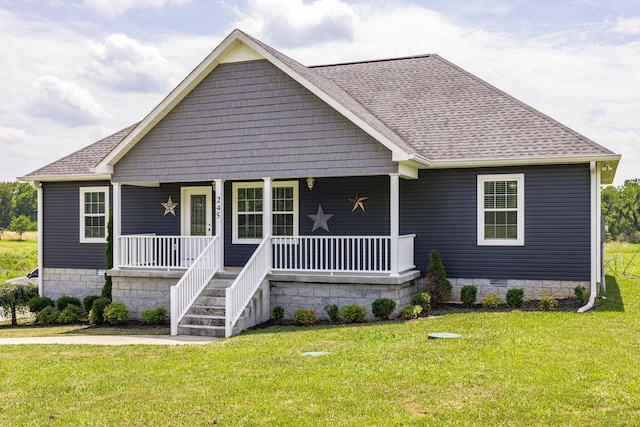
{"x": 63, "y": 178}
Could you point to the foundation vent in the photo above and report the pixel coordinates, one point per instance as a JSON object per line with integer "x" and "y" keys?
{"x": 500, "y": 283}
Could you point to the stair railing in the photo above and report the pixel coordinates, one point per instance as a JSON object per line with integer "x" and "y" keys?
{"x": 239, "y": 294}
{"x": 194, "y": 280}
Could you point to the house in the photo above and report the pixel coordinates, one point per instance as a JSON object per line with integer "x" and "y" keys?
{"x": 260, "y": 182}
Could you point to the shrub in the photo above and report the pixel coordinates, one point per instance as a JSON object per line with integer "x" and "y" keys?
{"x": 47, "y": 316}
{"x": 155, "y": 316}
{"x": 332, "y": 312}
{"x": 515, "y": 297}
{"x": 411, "y": 312}
{"x": 352, "y": 313}
{"x": 70, "y": 314}
{"x": 383, "y": 307}
{"x": 468, "y": 295}
{"x": 116, "y": 313}
{"x": 87, "y": 302}
{"x": 277, "y": 313}
{"x": 64, "y": 301}
{"x": 491, "y": 301}
{"x": 547, "y": 303}
{"x": 423, "y": 299}
{"x": 579, "y": 291}
{"x": 37, "y": 304}
{"x": 437, "y": 285}
{"x": 96, "y": 315}
{"x": 305, "y": 317}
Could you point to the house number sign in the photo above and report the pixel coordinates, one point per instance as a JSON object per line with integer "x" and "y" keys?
{"x": 218, "y": 207}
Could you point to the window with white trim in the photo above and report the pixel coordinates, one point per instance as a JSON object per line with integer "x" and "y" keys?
{"x": 501, "y": 210}
{"x": 248, "y": 209}
{"x": 94, "y": 214}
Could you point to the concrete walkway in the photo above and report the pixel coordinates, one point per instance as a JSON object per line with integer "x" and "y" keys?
{"x": 111, "y": 340}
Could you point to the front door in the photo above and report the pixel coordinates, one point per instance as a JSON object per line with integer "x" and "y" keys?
{"x": 197, "y": 220}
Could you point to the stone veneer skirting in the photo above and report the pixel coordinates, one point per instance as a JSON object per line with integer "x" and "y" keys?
{"x": 73, "y": 282}
{"x": 294, "y": 291}
{"x": 533, "y": 289}
{"x": 141, "y": 290}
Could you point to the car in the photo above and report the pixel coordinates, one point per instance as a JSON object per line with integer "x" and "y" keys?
{"x": 31, "y": 277}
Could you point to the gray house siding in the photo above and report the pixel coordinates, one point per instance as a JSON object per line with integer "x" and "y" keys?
{"x": 61, "y": 228}
{"x": 440, "y": 207}
{"x": 249, "y": 120}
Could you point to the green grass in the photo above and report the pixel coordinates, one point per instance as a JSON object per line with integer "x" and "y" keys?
{"x": 17, "y": 258}
{"x": 509, "y": 368}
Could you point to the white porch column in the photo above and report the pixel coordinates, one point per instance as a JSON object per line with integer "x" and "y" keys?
{"x": 267, "y": 216}
{"x": 117, "y": 232}
{"x": 394, "y": 220}
{"x": 218, "y": 187}
{"x": 40, "y": 218}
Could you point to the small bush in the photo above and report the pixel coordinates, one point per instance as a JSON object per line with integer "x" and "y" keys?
{"x": 383, "y": 307}
{"x": 64, "y": 301}
{"x": 515, "y": 297}
{"x": 87, "y": 302}
{"x": 423, "y": 299}
{"x": 468, "y": 295}
{"x": 491, "y": 301}
{"x": 47, "y": 316}
{"x": 37, "y": 304}
{"x": 116, "y": 313}
{"x": 277, "y": 313}
{"x": 411, "y": 312}
{"x": 332, "y": 312}
{"x": 155, "y": 316}
{"x": 352, "y": 313}
{"x": 579, "y": 291}
{"x": 71, "y": 314}
{"x": 305, "y": 317}
{"x": 436, "y": 282}
{"x": 96, "y": 315}
{"x": 547, "y": 303}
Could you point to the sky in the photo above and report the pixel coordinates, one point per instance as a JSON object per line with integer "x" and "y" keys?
{"x": 75, "y": 71}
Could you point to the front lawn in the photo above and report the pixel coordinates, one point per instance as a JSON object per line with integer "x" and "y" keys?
{"x": 509, "y": 368}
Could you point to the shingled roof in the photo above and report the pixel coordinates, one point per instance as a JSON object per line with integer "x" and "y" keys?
{"x": 424, "y": 105}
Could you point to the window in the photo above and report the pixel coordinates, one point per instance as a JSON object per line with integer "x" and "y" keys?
{"x": 501, "y": 210}
{"x": 248, "y": 209}
{"x": 94, "y": 212}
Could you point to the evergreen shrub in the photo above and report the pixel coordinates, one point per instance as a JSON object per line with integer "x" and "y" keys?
{"x": 383, "y": 307}
{"x": 116, "y": 313}
{"x": 515, "y": 297}
{"x": 437, "y": 285}
{"x": 353, "y": 313}
{"x": 468, "y": 295}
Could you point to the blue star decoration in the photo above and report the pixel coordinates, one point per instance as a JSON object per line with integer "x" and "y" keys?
{"x": 170, "y": 207}
{"x": 358, "y": 202}
{"x": 320, "y": 219}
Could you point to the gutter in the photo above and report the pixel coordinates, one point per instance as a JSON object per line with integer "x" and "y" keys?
{"x": 595, "y": 235}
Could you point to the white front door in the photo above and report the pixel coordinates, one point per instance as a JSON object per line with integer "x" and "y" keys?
{"x": 197, "y": 220}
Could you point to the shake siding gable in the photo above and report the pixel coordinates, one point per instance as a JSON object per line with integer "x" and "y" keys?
{"x": 249, "y": 120}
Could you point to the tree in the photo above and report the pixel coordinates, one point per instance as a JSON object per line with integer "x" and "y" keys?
{"x": 13, "y": 296}
{"x": 20, "y": 225}
{"x": 436, "y": 281}
{"x": 621, "y": 209}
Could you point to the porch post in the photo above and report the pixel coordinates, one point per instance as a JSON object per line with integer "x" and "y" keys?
{"x": 219, "y": 213}
{"x": 266, "y": 208}
{"x": 394, "y": 220}
{"x": 117, "y": 212}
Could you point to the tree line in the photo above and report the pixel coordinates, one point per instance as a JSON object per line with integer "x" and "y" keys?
{"x": 17, "y": 199}
{"x": 621, "y": 210}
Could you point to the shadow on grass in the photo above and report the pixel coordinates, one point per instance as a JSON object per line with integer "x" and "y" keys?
{"x": 612, "y": 298}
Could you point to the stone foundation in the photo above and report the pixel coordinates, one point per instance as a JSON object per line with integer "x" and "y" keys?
{"x": 73, "y": 282}
{"x": 533, "y": 289}
{"x": 292, "y": 292}
{"x": 142, "y": 290}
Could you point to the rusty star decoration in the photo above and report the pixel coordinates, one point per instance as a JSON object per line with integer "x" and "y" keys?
{"x": 358, "y": 202}
{"x": 320, "y": 219}
{"x": 170, "y": 207}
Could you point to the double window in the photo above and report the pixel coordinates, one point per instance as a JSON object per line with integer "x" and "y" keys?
{"x": 94, "y": 214}
{"x": 501, "y": 210}
{"x": 248, "y": 208}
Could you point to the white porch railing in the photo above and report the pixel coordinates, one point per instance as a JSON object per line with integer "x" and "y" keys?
{"x": 150, "y": 251}
{"x": 239, "y": 294}
{"x": 194, "y": 280}
{"x": 405, "y": 252}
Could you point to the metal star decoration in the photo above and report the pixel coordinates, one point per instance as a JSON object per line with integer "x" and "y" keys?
{"x": 320, "y": 219}
{"x": 358, "y": 202}
{"x": 170, "y": 207}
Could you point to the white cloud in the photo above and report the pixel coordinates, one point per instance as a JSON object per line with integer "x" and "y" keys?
{"x": 115, "y": 7}
{"x": 627, "y": 26}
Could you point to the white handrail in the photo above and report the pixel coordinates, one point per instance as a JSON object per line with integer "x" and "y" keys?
{"x": 151, "y": 251}
{"x": 239, "y": 294}
{"x": 194, "y": 280}
{"x": 405, "y": 252}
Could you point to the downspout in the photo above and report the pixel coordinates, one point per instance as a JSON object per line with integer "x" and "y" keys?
{"x": 40, "y": 218}
{"x": 595, "y": 236}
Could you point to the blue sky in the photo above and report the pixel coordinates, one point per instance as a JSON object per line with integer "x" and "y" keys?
{"x": 75, "y": 71}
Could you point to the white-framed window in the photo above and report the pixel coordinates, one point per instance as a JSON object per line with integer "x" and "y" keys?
{"x": 501, "y": 210}
{"x": 94, "y": 214}
{"x": 248, "y": 209}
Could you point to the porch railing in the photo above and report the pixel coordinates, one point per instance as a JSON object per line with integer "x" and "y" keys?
{"x": 239, "y": 294}
{"x": 151, "y": 251}
{"x": 194, "y": 280}
{"x": 405, "y": 252}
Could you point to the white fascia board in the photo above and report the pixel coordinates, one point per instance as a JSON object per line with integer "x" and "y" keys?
{"x": 65, "y": 178}
{"x": 451, "y": 164}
